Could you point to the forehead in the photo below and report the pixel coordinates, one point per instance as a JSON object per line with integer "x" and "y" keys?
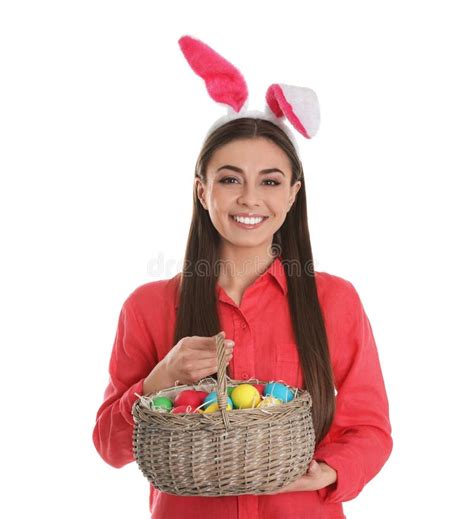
{"x": 258, "y": 153}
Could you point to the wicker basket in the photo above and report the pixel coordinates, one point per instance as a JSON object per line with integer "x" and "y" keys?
{"x": 242, "y": 451}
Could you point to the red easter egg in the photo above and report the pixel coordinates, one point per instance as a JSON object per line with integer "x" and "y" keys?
{"x": 202, "y": 395}
{"x": 260, "y": 388}
{"x": 182, "y": 409}
{"x": 190, "y": 397}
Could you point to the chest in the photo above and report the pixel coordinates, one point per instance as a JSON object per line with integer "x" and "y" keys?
{"x": 265, "y": 346}
{"x": 236, "y": 295}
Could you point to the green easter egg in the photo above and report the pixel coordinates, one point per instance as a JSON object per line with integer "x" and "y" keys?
{"x": 161, "y": 402}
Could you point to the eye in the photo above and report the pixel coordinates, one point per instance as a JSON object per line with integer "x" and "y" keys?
{"x": 275, "y": 183}
{"x": 225, "y": 179}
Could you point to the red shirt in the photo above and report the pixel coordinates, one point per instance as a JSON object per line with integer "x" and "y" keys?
{"x": 359, "y": 441}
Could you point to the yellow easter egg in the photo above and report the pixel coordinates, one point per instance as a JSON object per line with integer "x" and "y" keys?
{"x": 212, "y": 408}
{"x": 245, "y": 396}
{"x": 269, "y": 400}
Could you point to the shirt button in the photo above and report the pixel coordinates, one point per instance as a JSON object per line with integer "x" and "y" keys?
{"x": 244, "y": 375}
{"x": 243, "y": 325}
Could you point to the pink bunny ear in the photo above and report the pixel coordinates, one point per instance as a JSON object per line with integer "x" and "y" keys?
{"x": 224, "y": 82}
{"x": 300, "y": 105}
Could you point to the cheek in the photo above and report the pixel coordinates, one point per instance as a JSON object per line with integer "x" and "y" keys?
{"x": 219, "y": 199}
{"x": 280, "y": 203}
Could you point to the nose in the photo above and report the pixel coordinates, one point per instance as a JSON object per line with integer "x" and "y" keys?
{"x": 249, "y": 196}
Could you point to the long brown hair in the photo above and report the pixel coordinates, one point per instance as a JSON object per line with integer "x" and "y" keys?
{"x": 197, "y": 312}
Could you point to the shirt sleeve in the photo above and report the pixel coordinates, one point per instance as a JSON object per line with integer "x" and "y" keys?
{"x": 359, "y": 441}
{"x": 133, "y": 357}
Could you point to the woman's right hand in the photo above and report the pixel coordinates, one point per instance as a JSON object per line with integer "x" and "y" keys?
{"x": 190, "y": 360}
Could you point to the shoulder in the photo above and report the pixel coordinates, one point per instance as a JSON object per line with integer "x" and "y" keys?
{"x": 330, "y": 284}
{"x": 335, "y": 293}
{"x": 153, "y": 294}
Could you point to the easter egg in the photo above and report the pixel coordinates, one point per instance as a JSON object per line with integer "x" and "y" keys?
{"x": 279, "y": 390}
{"x": 268, "y": 401}
{"x": 181, "y": 409}
{"x": 190, "y": 397}
{"x": 245, "y": 396}
{"x": 229, "y": 390}
{"x": 161, "y": 402}
{"x": 212, "y": 397}
{"x": 212, "y": 408}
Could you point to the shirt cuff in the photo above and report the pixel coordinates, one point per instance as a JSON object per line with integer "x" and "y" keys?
{"x": 350, "y": 479}
{"x": 128, "y": 399}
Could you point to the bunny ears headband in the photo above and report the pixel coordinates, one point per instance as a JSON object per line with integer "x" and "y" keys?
{"x": 226, "y": 85}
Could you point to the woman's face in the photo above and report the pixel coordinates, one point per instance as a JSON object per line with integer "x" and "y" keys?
{"x": 246, "y": 178}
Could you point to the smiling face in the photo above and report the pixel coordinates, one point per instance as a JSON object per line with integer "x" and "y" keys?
{"x": 248, "y": 177}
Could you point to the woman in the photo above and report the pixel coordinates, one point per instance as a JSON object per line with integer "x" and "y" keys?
{"x": 254, "y": 279}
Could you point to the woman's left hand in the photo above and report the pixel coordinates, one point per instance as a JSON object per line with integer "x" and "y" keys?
{"x": 318, "y": 475}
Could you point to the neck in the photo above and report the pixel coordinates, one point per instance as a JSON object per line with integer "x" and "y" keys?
{"x": 240, "y": 266}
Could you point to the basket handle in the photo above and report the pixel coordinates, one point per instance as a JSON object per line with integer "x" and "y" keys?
{"x": 222, "y": 379}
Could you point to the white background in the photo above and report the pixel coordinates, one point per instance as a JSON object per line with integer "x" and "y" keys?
{"x": 101, "y": 120}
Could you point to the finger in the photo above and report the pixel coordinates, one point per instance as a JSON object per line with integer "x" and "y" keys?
{"x": 197, "y": 355}
{"x": 203, "y": 362}
{"x": 202, "y": 343}
{"x": 204, "y": 354}
{"x": 314, "y": 467}
{"x": 292, "y": 487}
{"x": 209, "y": 365}
{"x": 207, "y": 344}
{"x": 200, "y": 374}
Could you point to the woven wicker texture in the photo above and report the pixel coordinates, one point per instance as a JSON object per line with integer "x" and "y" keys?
{"x": 240, "y": 451}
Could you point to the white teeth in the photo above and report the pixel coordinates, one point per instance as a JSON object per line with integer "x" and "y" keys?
{"x": 247, "y": 221}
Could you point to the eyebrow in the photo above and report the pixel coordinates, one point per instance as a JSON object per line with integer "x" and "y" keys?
{"x": 262, "y": 172}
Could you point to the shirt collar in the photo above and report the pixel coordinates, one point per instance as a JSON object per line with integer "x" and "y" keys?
{"x": 276, "y": 271}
